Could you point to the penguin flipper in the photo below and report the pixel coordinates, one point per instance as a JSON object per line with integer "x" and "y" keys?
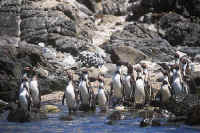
{"x": 63, "y": 99}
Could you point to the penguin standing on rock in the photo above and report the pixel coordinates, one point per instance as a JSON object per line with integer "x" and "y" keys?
{"x": 35, "y": 93}
{"x": 165, "y": 89}
{"x": 129, "y": 84}
{"x": 70, "y": 95}
{"x": 102, "y": 96}
{"x": 139, "y": 90}
{"x": 86, "y": 93}
{"x": 177, "y": 80}
{"x": 25, "y": 100}
{"x": 117, "y": 90}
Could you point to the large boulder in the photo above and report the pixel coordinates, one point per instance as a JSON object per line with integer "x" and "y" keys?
{"x": 127, "y": 54}
{"x": 180, "y": 31}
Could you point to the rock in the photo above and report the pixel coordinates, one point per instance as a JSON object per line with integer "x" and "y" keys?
{"x": 145, "y": 123}
{"x": 186, "y": 8}
{"x": 194, "y": 7}
{"x": 120, "y": 108}
{"x": 179, "y": 31}
{"x": 139, "y": 37}
{"x": 116, "y": 115}
{"x": 50, "y": 109}
{"x": 115, "y": 7}
{"x": 193, "y": 116}
{"x": 155, "y": 123}
{"x": 90, "y": 4}
{"x": 66, "y": 118}
{"x": 127, "y": 54}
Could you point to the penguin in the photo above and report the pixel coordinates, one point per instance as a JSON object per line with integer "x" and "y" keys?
{"x": 177, "y": 80}
{"x": 70, "y": 95}
{"x": 177, "y": 59}
{"x": 25, "y": 100}
{"x": 84, "y": 89}
{"x": 145, "y": 76}
{"x": 117, "y": 90}
{"x": 165, "y": 89}
{"x": 35, "y": 92}
{"x": 129, "y": 83}
{"x": 87, "y": 96}
{"x": 102, "y": 96}
{"x": 140, "y": 86}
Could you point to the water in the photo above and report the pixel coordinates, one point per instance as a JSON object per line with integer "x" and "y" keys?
{"x": 87, "y": 123}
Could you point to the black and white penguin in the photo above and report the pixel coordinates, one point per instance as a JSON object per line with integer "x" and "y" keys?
{"x": 140, "y": 86}
{"x": 84, "y": 89}
{"x": 129, "y": 83}
{"x": 70, "y": 95}
{"x": 117, "y": 90}
{"x": 102, "y": 96}
{"x": 25, "y": 100}
{"x": 87, "y": 96}
{"x": 177, "y": 83}
{"x": 165, "y": 89}
{"x": 35, "y": 92}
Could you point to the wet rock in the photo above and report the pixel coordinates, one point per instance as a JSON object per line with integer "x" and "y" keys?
{"x": 50, "y": 109}
{"x": 155, "y": 123}
{"x": 67, "y": 118}
{"x": 193, "y": 116}
{"x": 145, "y": 123}
{"x": 20, "y": 115}
{"x": 116, "y": 115}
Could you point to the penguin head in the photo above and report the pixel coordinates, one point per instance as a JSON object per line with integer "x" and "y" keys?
{"x": 85, "y": 75}
{"x": 118, "y": 70}
{"x": 35, "y": 77}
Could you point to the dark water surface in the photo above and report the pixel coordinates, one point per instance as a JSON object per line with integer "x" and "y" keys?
{"x": 87, "y": 123}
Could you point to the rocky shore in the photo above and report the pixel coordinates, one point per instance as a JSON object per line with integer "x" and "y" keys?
{"x": 53, "y": 36}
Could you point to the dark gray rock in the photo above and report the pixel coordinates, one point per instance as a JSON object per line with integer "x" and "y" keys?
{"x": 20, "y": 115}
{"x": 115, "y": 7}
{"x": 90, "y": 4}
{"x": 179, "y": 31}
{"x": 184, "y": 7}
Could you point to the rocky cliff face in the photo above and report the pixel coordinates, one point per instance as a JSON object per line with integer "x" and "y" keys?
{"x": 79, "y": 33}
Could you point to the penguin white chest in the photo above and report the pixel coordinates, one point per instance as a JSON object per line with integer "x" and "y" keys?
{"x": 177, "y": 85}
{"x": 34, "y": 91}
{"x": 139, "y": 92}
{"x": 84, "y": 92}
{"x": 70, "y": 96}
{"x": 23, "y": 97}
{"x": 117, "y": 86}
{"x": 101, "y": 97}
{"x": 165, "y": 93}
{"x": 128, "y": 85}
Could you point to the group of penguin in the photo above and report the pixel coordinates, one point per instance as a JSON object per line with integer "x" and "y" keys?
{"x": 130, "y": 89}
{"x": 28, "y": 93}
{"x": 123, "y": 88}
